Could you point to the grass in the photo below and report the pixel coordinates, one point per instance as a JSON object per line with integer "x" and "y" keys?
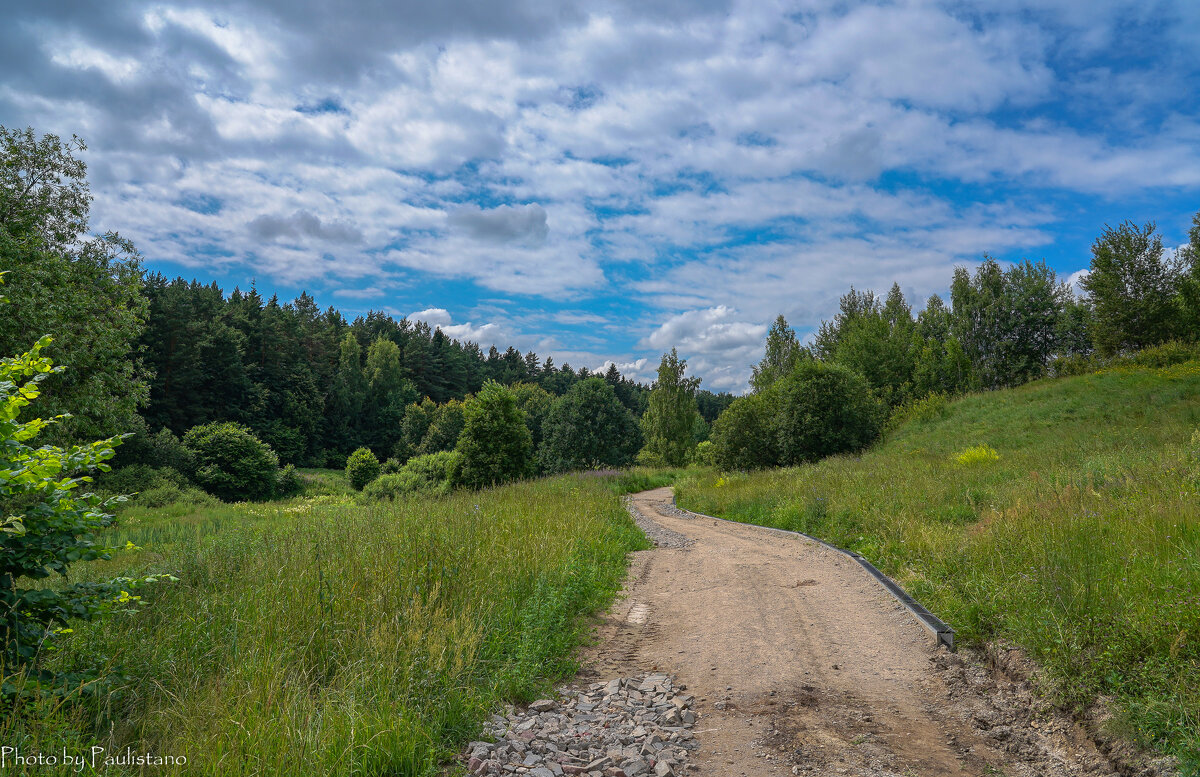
{"x": 1063, "y": 516}
{"x": 324, "y": 636}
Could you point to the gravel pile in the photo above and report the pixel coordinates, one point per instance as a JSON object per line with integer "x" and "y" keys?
{"x": 628, "y": 727}
{"x": 659, "y": 535}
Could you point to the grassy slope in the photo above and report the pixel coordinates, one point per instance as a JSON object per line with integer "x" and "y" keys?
{"x": 318, "y": 636}
{"x": 1081, "y": 543}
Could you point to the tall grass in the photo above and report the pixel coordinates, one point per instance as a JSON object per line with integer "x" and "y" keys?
{"x": 324, "y": 637}
{"x": 1079, "y": 539}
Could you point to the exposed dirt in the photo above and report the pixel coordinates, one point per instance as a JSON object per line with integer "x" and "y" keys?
{"x": 801, "y": 663}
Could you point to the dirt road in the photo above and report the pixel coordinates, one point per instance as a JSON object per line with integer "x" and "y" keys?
{"x": 802, "y": 664}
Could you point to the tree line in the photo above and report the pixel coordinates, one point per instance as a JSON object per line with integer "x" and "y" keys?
{"x": 1001, "y": 328}
{"x": 146, "y": 353}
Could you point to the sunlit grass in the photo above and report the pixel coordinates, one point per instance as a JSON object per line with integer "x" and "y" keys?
{"x": 322, "y": 636}
{"x": 1079, "y": 540}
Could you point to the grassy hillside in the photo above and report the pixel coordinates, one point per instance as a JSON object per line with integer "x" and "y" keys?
{"x": 1080, "y": 542}
{"x": 320, "y": 636}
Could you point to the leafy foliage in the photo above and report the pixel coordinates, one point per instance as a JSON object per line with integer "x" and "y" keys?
{"x": 495, "y": 445}
{"x": 671, "y": 417}
{"x": 589, "y": 428}
{"x": 47, "y": 524}
{"x": 1133, "y": 288}
{"x": 430, "y": 474}
{"x": 84, "y": 290}
{"x": 361, "y": 468}
{"x": 744, "y": 437}
{"x": 231, "y": 463}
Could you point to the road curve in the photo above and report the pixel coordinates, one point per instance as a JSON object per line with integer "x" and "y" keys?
{"x": 801, "y": 663}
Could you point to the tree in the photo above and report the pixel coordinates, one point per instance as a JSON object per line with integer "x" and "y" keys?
{"x": 1008, "y": 321}
{"x": 495, "y": 445}
{"x": 345, "y": 399}
{"x": 1133, "y": 289}
{"x": 783, "y": 353}
{"x": 87, "y": 291}
{"x": 1189, "y": 284}
{"x": 821, "y": 410}
{"x": 671, "y": 417}
{"x": 743, "y": 436}
{"x": 535, "y": 402}
{"x": 444, "y": 428}
{"x": 388, "y": 391}
{"x": 589, "y": 428}
{"x": 47, "y": 526}
{"x": 231, "y": 463}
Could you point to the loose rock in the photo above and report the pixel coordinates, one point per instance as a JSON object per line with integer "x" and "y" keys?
{"x": 626, "y": 727}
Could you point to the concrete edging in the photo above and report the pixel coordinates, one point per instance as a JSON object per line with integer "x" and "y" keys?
{"x": 942, "y": 631}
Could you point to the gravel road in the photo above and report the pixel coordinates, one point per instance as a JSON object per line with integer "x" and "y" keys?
{"x": 801, "y": 663}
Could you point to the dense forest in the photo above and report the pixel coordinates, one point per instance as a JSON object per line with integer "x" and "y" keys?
{"x": 315, "y": 386}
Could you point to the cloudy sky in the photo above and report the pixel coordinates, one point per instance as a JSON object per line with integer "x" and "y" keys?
{"x": 604, "y": 180}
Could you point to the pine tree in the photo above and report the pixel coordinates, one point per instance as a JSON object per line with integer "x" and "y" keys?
{"x": 783, "y": 353}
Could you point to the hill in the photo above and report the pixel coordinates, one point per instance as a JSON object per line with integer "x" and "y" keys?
{"x": 1062, "y": 516}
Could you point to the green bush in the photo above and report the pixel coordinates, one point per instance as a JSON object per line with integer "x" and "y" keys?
{"x": 444, "y": 429}
{"x": 390, "y": 467}
{"x": 588, "y": 428}
{"x": 705, "y": 454}
{"x": 816, "y": 411}
{"x": 495, "y": 445}
{"x": 743, "y": 436}
{"x": 154, "y": 449}
{"x": 928, "y": 408}
{"x": 1166, "y": 355}
{"x": 429, "y": 474}
{"x": 361, "y": 468}
{"x": 231, "y": 463}
{"x": 288, "y": 482}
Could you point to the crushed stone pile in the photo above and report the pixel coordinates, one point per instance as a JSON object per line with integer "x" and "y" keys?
{"x": 661, "y": 536}
{"x": 627, "y": 727}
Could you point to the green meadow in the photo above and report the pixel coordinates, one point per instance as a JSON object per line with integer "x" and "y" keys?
{"x": 323, "y": 636}
{"x": 1078, "y": 539}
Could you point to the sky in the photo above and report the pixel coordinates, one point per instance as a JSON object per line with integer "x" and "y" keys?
{"x": 602, "y": 181}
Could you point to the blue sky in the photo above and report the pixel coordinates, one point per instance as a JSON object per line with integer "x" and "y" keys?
{"x": 602, "y": 181}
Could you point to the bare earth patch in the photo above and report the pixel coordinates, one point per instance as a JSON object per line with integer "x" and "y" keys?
{"x": 800, "y": 663}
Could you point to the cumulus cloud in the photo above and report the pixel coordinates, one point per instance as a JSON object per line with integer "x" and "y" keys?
{"x": 692, "y": 158}
{"x": 303, "y": 224}
{"x": 718, "y": 344}
{"x": 522, "y": 224}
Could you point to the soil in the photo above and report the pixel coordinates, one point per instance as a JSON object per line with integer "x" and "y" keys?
{"x": 801, "y": 663}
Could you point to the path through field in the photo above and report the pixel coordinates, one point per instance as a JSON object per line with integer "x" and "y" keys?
{"x": 802, "y": 664}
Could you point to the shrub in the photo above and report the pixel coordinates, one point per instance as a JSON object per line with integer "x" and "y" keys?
{"x": 705, "y": 454}
{"x": 743, "y": 436}
{"x": 361, "y": 468}
{"x": 821, "y": 410}
{"x": 390, "y": 467}
{"x": 588, "y": 428}
{"x": 429, "y": 474}
{"x": 1166, "y": 355}
{"x": 980, "y": 454}
{"x": 928, "y": 408}
{"x": 495, "y": 445}
{"x": 288, "y": 482}
{"x": 231, "y": 463}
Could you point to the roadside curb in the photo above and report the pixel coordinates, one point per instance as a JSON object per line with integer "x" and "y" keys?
{"x": 941, "y": 630}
